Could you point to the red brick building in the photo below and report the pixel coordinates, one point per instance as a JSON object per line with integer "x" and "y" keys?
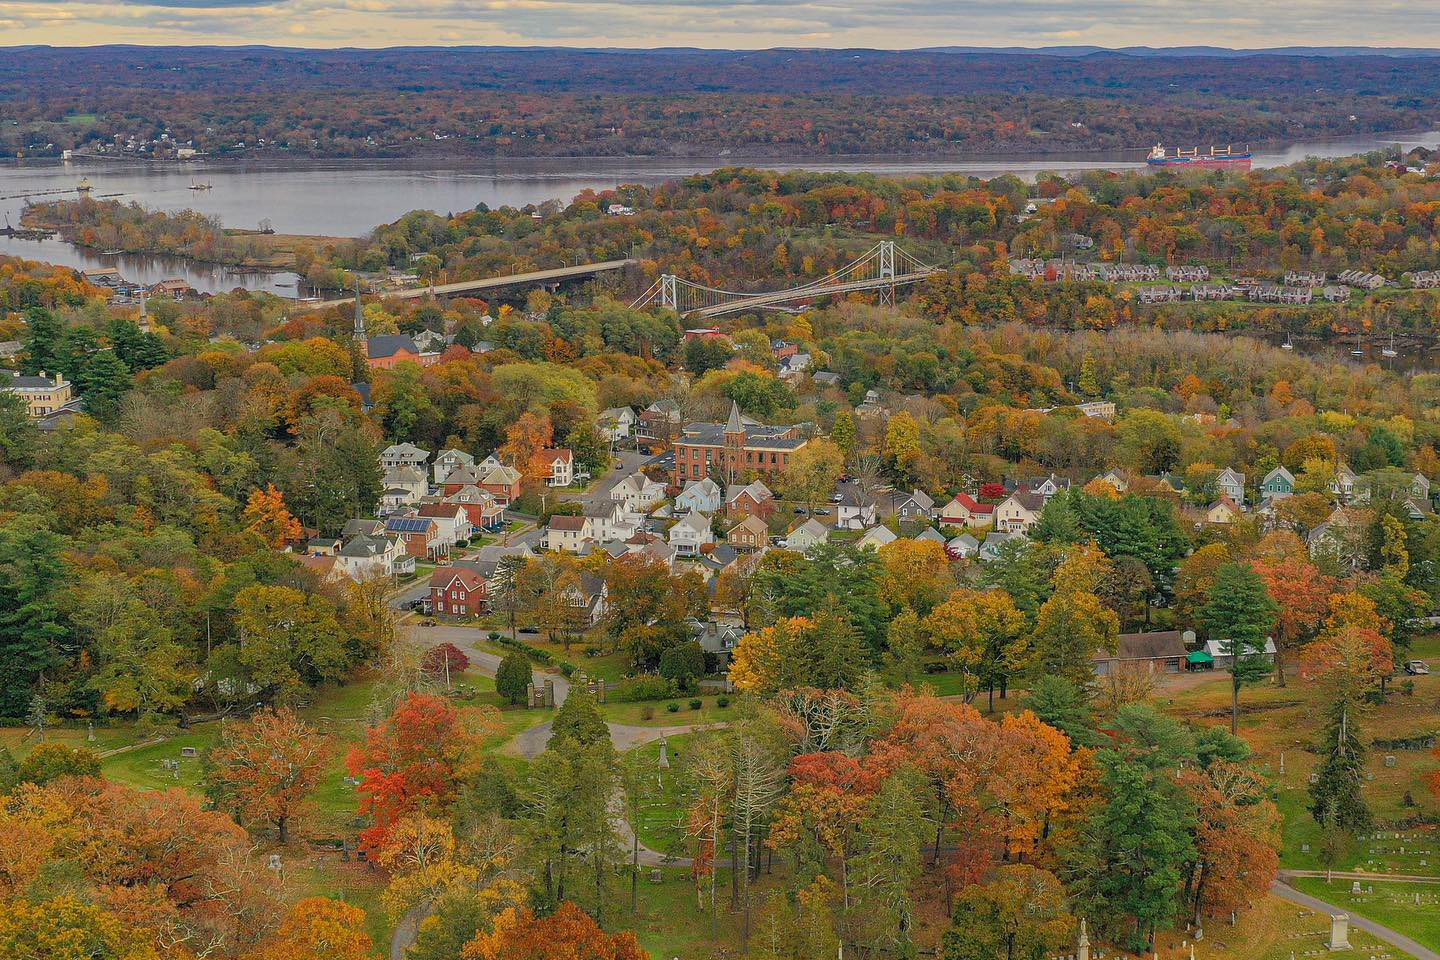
{"x": 733, "y": 450}
{"x": 458, "y": 592}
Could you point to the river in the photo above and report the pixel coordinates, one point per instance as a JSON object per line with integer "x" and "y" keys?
{"x": 349, "y": 198}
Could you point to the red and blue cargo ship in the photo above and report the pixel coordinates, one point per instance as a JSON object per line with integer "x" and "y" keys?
{"x": 1225, "y": 156}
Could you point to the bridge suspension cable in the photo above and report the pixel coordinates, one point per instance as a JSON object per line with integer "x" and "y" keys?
{"x": 883, "y": 267}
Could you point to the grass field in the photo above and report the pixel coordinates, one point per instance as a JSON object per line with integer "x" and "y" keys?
{"x": 662, "y": 824}
{"x": 634, "y": 714}
{"x": 1393, "y": 904}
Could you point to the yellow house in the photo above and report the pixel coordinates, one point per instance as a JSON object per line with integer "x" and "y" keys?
{"x": 1222, "y": 511}
{"x": 42, "y": 395}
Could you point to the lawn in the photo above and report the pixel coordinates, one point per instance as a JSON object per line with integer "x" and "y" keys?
{"x": 1409, "y": 908}
{"x": 653, "y": 713}
{"x": 1274, "y": 929}
{"x": 662, "y": 821}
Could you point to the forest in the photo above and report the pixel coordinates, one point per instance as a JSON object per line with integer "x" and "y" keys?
{"x": 461, "y": 102}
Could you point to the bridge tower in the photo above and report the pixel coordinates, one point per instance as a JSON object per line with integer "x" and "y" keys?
{"x": 887, "y": 272}
{"x": 667, "y": 291}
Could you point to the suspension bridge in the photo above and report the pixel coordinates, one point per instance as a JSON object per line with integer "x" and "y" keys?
{"x": 883, "y": 267}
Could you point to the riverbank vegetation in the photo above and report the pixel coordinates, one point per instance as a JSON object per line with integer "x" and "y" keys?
{"x": 793, "y": 103}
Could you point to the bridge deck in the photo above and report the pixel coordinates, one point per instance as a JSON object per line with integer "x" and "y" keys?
{"x": 806, "y": 293}
{"x": 490, "y": 283}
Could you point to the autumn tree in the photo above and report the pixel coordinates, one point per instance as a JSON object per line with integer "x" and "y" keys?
{"x": 525, "y": 440}
{"x": 267, "y": 517}
{"x": 1301, "y": 593}
{"x": 915, "y": 574}
{"x": 1019, "y": 914}
{"x": 1070, "y": 629}
{"x": 265, "y": 767}
{"x": 982, "y": 634}
{"x": 567, "y": 934}
{"x": 813, "y": 471}
{"x": 415, "y": 759}
{"x": 1237, "y": 839}
{"x": 319, "y": 928}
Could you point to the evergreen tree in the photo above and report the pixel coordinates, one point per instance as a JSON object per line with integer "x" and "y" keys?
{"x": 1130, "y": 864}
{"x": 42, "y": 342}
{"x": 32, "y": 631}
{"x": 512, "y": 678}
{"x": 1335, "y": 796}
{"x": 1089, "y": 383}
{"x": 1239, "y": 613}
{"x": 1061, "y": 704}
{"x": 836, "y": 655}
{"x": 17, "y": 431}
{"x": 103, "y": 382}
{"x": 579, "y": 719}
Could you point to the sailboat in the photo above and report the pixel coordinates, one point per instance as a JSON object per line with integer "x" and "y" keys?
{"x": 1390, "y": 350}
{"x": 199, "y": 186}
{"x": 1288, "y": 344}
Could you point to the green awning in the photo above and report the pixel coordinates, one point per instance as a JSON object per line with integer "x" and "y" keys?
{"x": 1199, "y": 656}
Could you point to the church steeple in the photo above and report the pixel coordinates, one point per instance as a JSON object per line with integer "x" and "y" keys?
{"x": 359, "y": 316}
{"x": 735, "y": 424}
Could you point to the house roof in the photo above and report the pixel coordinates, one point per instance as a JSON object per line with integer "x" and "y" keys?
{"x": 752, "y": 523}
{"x": 469, "y": 578}
{"x": 1156, "y": 645}
{"x": 409, "y": 524}
{"x": 441, "y": 509}
{"x": 362, "y": 526}
{"x": 972, "y": 505}
{"x": 877, "y": 537}
{"x": 931, "y": 534}
{"x": 1029, "y": 500}
{"x": 1282, "y": 473}
{"x": 734, "y": 424}
{"x": 563, "y": 522}
{"x": 403, "y": 474}
{"x": 404, "y": 451}
{"x": 814, "y": 528}
{"x": 387, "y": 345}
{"x": 501, "y": 476}
{"x": 20, "y": 381}
{"x": 557, "y": 453}
{"x": 365, "y": 546}
{"x": 694, "y": 520}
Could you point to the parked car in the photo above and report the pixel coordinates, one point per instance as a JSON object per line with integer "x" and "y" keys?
{"x": 1417, "y": 668}
{"x": 823, "y": 512}
{"x": 836, "y": 498}
{"x": 529, "y": 629}
{"x": 799, "y": 509}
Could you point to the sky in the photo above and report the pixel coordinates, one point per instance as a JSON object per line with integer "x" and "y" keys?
{"x": 737, "y": 24}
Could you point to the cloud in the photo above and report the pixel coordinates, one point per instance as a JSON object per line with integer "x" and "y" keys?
{"x": 726, "y": 23}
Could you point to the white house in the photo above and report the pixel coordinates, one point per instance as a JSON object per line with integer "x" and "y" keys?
{"x": 568, "y": 534}
{"x": 562, "y": 467}
{"x": 1348, "y": 486}
{"x": 610, "y": 520}
{"x": 617, "y": 423}
{"x": 963, "y": 547}
{"x": 451, "y": 519}
{"x": 1019, "y": 512}
{"x": 854, "y": 512}
{"x": 448, "y": 460}
{"x": 691, "y": 533}
{"x": 637, "y": 492}
{"x": 403, "y": 455}
{"x": 402, "y": 486}
{"x": 702, "y": 495}
{"x": 366, "y": 557}
{"x": 807, "y": 535}
{"x": 1231, "y": 483}
{"x": 876, "y": 537}
{"x": 994, "y": 540}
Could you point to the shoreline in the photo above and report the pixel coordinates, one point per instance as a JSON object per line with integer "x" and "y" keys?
{"x": 734, "y": 158}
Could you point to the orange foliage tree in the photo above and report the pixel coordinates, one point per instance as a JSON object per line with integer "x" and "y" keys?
{"x": 567, "y": 934}
{"x": 318, "y": 928}
{"x": 267, "y": 516}
{"x": 268, "y": 765}
{"x": 1302, "y": 593}
{"x": 414, "y": 760}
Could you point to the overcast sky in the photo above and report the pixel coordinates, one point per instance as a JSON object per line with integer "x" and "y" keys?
{"x": 887, "y": 24}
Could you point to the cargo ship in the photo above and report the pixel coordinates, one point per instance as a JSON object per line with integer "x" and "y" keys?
{"x": 1217, "y": 157}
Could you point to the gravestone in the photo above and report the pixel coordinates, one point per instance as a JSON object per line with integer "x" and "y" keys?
{"x": 274, "y": 862}
{"x": 1082, "y": 948}
{"x": 189, "y": 752}
{"x": 1340, "y": 931}
{"x": 655, "y": 875}
{"x": 1355, "y": 887}
{"x": 1390, "y": 760}
{"x": 664, "y": 754}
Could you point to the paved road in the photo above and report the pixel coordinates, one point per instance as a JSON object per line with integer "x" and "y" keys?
{"x": 469, "y": 640}
{"x": 1395, "y": 939}
{"x": 627, "y": 462}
